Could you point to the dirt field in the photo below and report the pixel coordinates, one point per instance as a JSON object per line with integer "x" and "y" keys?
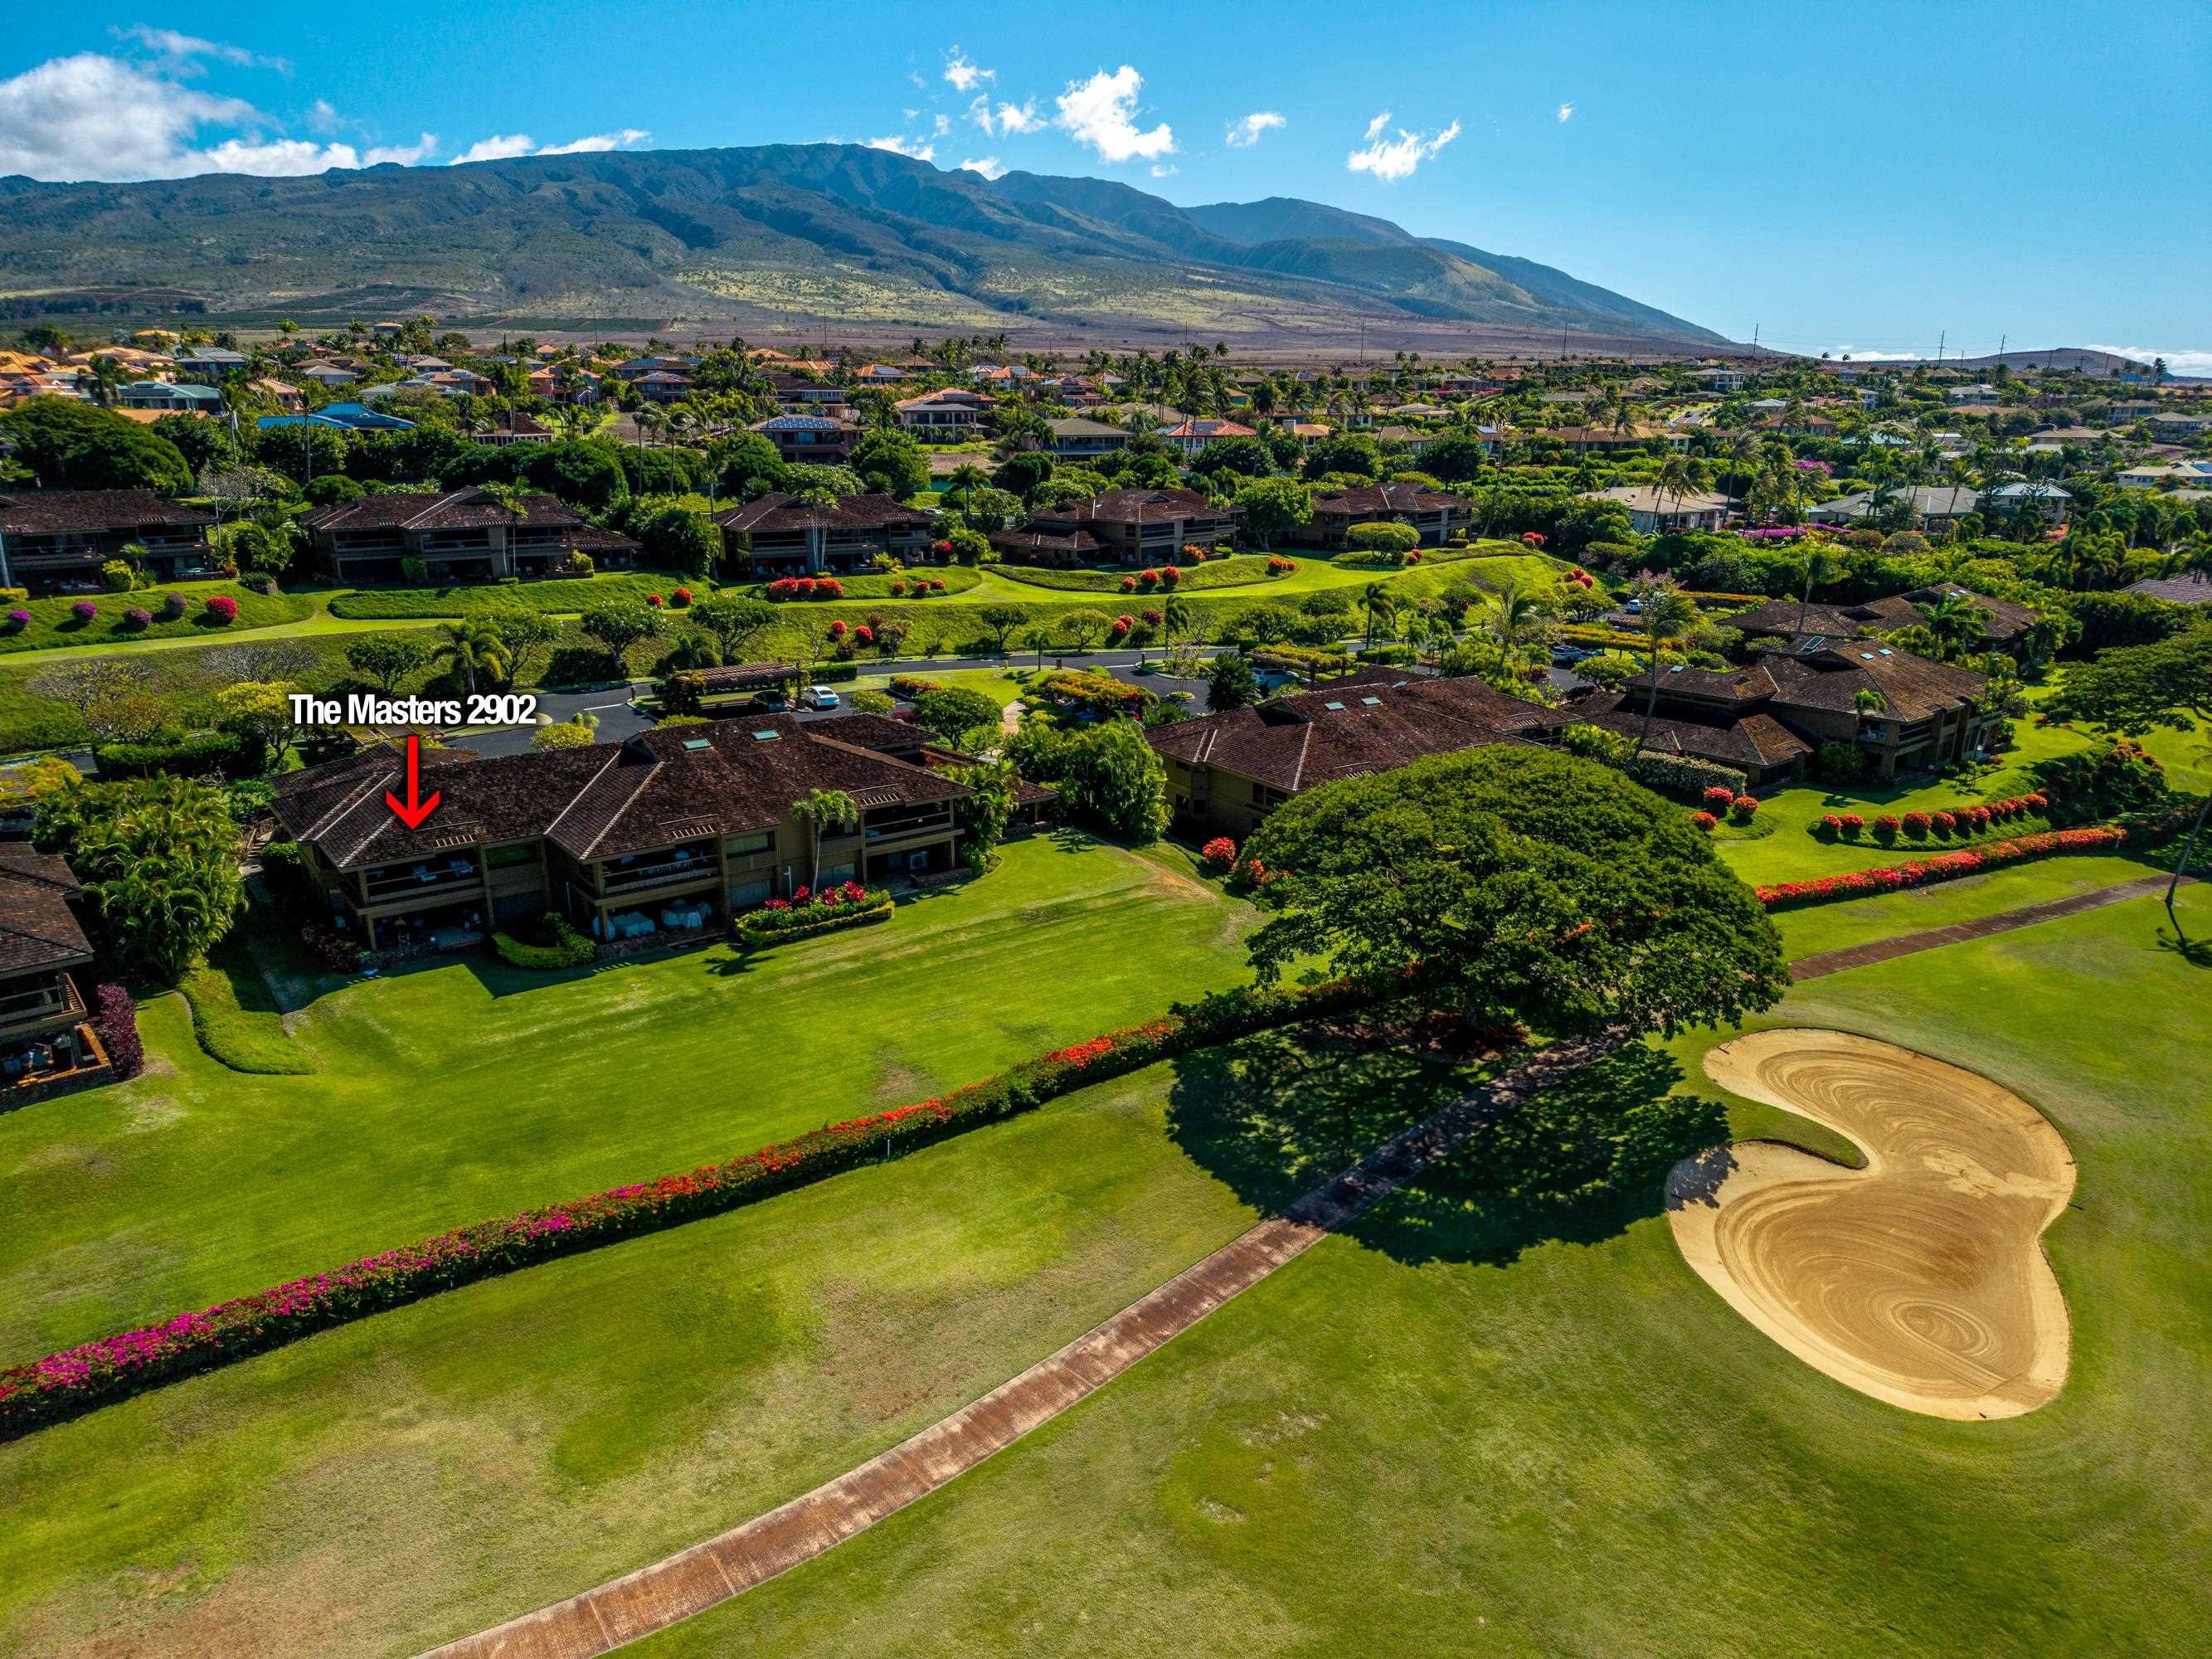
{"x": 1919, "y": 1280}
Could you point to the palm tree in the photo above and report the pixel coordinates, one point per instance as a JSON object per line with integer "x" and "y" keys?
{"x": 472, "y": 646}
{"x": 1821, "y": 565}
{"x": 821, "y": 810}
{"x": 1520, "y": 615}
{"x": 1375, "y": 599}
{"x": 1677, "y": 476}
{"x": 1956, "y": 621}
{"x": 1660, "y": 611}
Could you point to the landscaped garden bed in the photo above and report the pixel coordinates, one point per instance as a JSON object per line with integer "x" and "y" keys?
{"x": 805, "y": 914}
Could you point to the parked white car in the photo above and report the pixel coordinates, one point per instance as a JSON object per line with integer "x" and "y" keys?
{"x": 818, "y": 696}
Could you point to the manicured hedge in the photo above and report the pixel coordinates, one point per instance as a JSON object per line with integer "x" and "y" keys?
{"x": 804, "y": 916}
{"x": 77, "y": 1380}
{"x": 1685, "y": 777}
{"x": 570, "y": 948}
{"x": 2147, "y": 831}
{"x": 1239, "y": 570}
{"x": 203, "y": 753}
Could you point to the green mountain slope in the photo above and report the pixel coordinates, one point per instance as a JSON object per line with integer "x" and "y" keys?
{"x": 833, "y": 232}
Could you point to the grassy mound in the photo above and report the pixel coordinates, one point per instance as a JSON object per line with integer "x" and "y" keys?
{"x": 54, "y": 623}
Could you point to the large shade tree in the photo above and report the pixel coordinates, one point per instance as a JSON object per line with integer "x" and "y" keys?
{"x": 1514, "y": 885}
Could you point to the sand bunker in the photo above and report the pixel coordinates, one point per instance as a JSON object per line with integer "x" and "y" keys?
{"x": 1919, "y": 1280}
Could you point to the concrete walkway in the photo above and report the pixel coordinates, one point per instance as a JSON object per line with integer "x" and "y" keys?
{"x": 2005, "y": 921}
{"x": 654, "y": 1597}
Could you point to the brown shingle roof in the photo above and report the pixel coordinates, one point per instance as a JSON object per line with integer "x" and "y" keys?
{"x": 600, "y": 802}
{"x": 36, "y": 512}
{"x": 1296, "y": 742}
{"x": 1387, "y": 498}
{"x": 36, "y": 927}
{"x": 457, "y": 509}
{"x": 1130, "y": 507}
{"x": 778, "y": 511}
{"x": 1829, "y": 678}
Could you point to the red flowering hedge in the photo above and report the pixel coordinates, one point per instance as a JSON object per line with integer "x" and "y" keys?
{"x": 1957, "y": 821}
{"x": 1220, "y": 854}
{"x": 76, "y": 1379}
{"x": 1945, "y": 866}
{"x": 804, "y": 587}
{"x": 805, "y": 914}
{"x": 1719, "y": 799}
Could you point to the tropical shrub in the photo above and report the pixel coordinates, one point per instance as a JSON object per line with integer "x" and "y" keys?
{"x": 1704, "y": 821}
{"x": 84, "y": 611}
{"x": 117, "y": 576}
{"x": 1743, "y": 808}
{"x": 559, "y": 946}
{"x": 1719, "y": 798}
{"x": 222, "y": 608}
{"x": 1915, "y": 826}
{"x": 805, "y": 914}
{"x": 1885, "y": 828}
{"x": 1949, "y": 866}
{"x": 1219, "y": 854}
{"x": 115, "y": 1016}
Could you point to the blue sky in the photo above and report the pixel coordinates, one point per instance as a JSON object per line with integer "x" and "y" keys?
{"x": 1848, "y": 178}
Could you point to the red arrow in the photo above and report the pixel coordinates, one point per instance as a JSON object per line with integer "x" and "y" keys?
{"x": 412, "y": 811}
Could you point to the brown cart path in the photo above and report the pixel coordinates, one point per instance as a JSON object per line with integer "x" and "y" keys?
{"x": 1904, "y": 945}
{"x": 653, "y": 1597}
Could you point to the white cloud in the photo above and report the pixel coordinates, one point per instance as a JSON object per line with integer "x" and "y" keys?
{"x": 504, "y": 146}
{"x": 597, "y": 143}
{"x": 2177, "y": 362}
{"x": 1566, "y": 112}
{"x": 1168, "y": 170}
{"x": 1243, "y": 134}
{"x": 944, "y": 125}
{"x": 323, "y": 116}
{"x": 897, "y": 146}
{"x": 1391, "y": 159}
{"x": 180, "y": 53}
{"x": 499, "y": 146}
{"x": 1007, "y": 118}
{"x": 989, "y": 166}
{"x": 963, "y": 74}
{"x": 1102, "y": 113}
{"x": 1859, "y": 357}
{"x": 92, "y": 116}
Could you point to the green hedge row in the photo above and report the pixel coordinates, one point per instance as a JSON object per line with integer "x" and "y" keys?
{"x": 569, "y": 949}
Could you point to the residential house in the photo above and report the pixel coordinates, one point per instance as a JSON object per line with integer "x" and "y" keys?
{"x": 328, "y": 376}
{"x": 953, "y": 413}
{"x": 663, "y": 837}
{"x": 58, "y": 538}
{"x": 289, "y": 398}
{"x": 1433, "y": 515}
{"x": 796, "y": 396}
{"x": 2178, "y": 428}
{"x": 169, "y": 397}
{"x": 1227, "y": 772}
{"x": 2053, "y": 501}
{"x": 2004, "y": 623}
{"x": 1603, "y": 439}
{"x": 2153, "y": 476}
{"x": 207, "y": 363}
{"x": 1078, "y": 439}
{"x": 817, "y": 438}
{"x": 343, "y": 417}
{"x": 1191, "y": 435}
{"x": 1980, "y": 392}
{"x": 662, "y": 385}
{"x": 462, "y": 535}
{"x": 880, "y": 374}
{"x": 782, "y": 534}
{"x": 45, "y": 1031}
{"x": 1767, "y": 718}
{"x": 1926, "y": 507}
{"x": 1652, "y": 513}
{"x": 1722, "y": 379}
{"x": 514, "y": 426}
{"x": 1135, "y": 527}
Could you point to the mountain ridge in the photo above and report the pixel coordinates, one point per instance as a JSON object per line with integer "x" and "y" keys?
{"x": 831, "y": 234}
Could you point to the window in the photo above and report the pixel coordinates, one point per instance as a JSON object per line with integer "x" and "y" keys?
{"x": 506, "y": 858}
{"x": 761, "y": 842}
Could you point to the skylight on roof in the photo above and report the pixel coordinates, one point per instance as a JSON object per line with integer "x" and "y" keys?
{"x": 766, "y": 737}
{"x": 1370, "y": 702}
{"x": 1866, "y": 656}
{"x": 698, "y": 743}
{"x": 1337, "y": 706}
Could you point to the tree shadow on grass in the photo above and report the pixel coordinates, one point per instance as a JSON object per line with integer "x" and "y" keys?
{"x": 1275, "y": 1116}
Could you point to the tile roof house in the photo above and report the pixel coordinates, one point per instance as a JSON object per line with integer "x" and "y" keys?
{"x": 2004, "y": 621}
{"x": 1433, "y": 514}
{"x": 952, "y": 411}
{"x": 1226, "y": 772}
{"x": 467, "y": 534}
{"x": 50, "y": 538}
{"x": 44, "y": 1030}
{"x": 669, "y": 833}
{"x": 1927, "y": 506}
{"x": 816, "y": 437}
{"x": 342, "y": 417}
{"x": 780, "y": 534}
{"x": 1652, "y": 513}
{"x": 514, "y": 426}
{"x": 1194, "y": 433}
{"x": 1766, "y": 719}
{"x": 1136, "y": 526}
{"x": 1076, "y": 438}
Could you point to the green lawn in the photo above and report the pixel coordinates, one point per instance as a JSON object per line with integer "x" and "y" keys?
{"x": 1544, "y": 1436}
{"x": 1557, "y": 1440}
{"x": 54, "y": 627}
{"x": 1818, "y": 927}
{"x": 555, "y": 596}
{"x": 458, "y": 1091}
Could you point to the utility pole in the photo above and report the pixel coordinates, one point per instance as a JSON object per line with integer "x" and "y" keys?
{"x": 1942, "y": 335}
{"x": 1754, "y": 339}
